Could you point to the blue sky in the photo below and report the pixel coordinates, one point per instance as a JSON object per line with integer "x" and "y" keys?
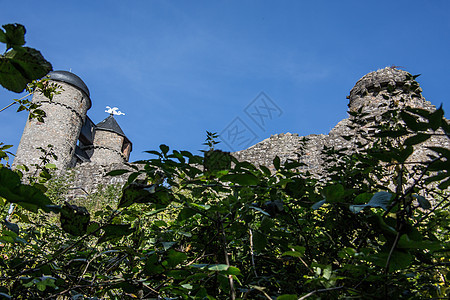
{"x": 179, "y": 68}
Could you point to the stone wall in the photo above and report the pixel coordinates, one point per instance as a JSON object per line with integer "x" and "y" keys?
{"x": 87, "y": 178}
{"x": 107, "y": 148}
{"x": 372, "y": 95}
{"x": 66, "y": 113}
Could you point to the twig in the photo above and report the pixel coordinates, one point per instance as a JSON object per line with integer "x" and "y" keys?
{"x": 15, "y": 101}
{"x": 227, "y": 261}
{"x": 320, "y": 291}
{"x": 260, "y": 289}
{"x": 432, "y": 210}
{"x": 8, "y": 106}
{"x": 410, "y": 189}
{"x": 114, "y": 214}
{"x": 250, "y": 232}
{"x": 388, "y": 261}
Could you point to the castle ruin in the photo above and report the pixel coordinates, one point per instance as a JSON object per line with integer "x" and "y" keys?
{"x": 90, "y": 150}
{"x": 372, "y": 95}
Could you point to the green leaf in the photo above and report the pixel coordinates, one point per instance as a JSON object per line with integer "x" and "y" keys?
{"x": 292, "y": 253}
{"x": 276, "y": 162}
{"x": 21, "y": 66}
{"x": 167, "y": 245}
{"x": 153, "y": 152}
{"x": 115, "y": 231}
{"x": 417, "y": 139}
{"x": 29, "y": 197}
{"x": 117, "y": 172}
{"x": 164, "y": 148}
{"x": 266, "y": 224}
{"x": 241, "y": 179}
{"x": 152, "y": 265}
{"x": 140, "y": 193}
{"x": 327, "y": 272}
{"x": 232, "y": 271}
{"x": 405, "y": 154}
{"x": 287, "y": 297}
{"x": 74, "y": 219}
{"x": 177, "y": 274}
{"x": 333, "y": 193}
{"x": 259, "y": 241}
{"x": 216, "y": 160}
{"x": 446, "y": 127}
{"x": 435, "y": 118}
{"x": 265, "y": 170}
{"x": 93, "y": 226}
{"x": 13, "y": 36}
{"x": 50, "y": 166}
{"x": 318, "y": 204}
{"x": 399, "y": 260}
{"x": 175, "y": 258}
{"x": 391, "y": 133}
{"x": 380, "y": 199}
{"x": 186, "y": 213}
{"x": 419, "y": 111}
{"x": 290, "y": 164}
{"x": 405, "y": 243}
{"x": 295, "y": 188}
{"x": 424, "y": 203}
{"x": 363, "y": 198}
{"x": 445, "y": 184}
{"x": 411, "y": 121}
{"x": 443, "y": 151}
{"x": 383, "y": 156}
{"x": 11, "y": 226}
{"x": 218, "y": 267}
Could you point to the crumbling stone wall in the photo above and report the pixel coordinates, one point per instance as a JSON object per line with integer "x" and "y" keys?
{"x": 85, "y": 179}
{"x": 372, "y": 95}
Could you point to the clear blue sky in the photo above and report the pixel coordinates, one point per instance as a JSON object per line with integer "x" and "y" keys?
{"x": 179, "y": 68}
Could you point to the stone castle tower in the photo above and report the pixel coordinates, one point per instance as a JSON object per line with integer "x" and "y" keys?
{"x": 74, "y": 137}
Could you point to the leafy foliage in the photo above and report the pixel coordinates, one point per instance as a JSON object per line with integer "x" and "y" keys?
{"x": 211, "y": 227}
{"x": 19, "y": 65}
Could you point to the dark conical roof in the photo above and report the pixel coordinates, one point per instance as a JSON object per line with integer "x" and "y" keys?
{"x": 110, "y": 124}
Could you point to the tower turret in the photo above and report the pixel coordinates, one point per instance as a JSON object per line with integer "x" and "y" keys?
{"x": 388, "y": 86}
{"x": 65, "y": 115}
{"x": 110, "y": 143}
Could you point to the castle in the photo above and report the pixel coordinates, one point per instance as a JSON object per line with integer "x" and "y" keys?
{"x": 91, "y": 150}
{"x": 88, "y": 149}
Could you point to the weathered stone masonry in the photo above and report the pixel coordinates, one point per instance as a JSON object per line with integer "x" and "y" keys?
{"x": 104, "y": 147}
{"x": 373, "y": 94}
{"x": 89, "y": 151}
